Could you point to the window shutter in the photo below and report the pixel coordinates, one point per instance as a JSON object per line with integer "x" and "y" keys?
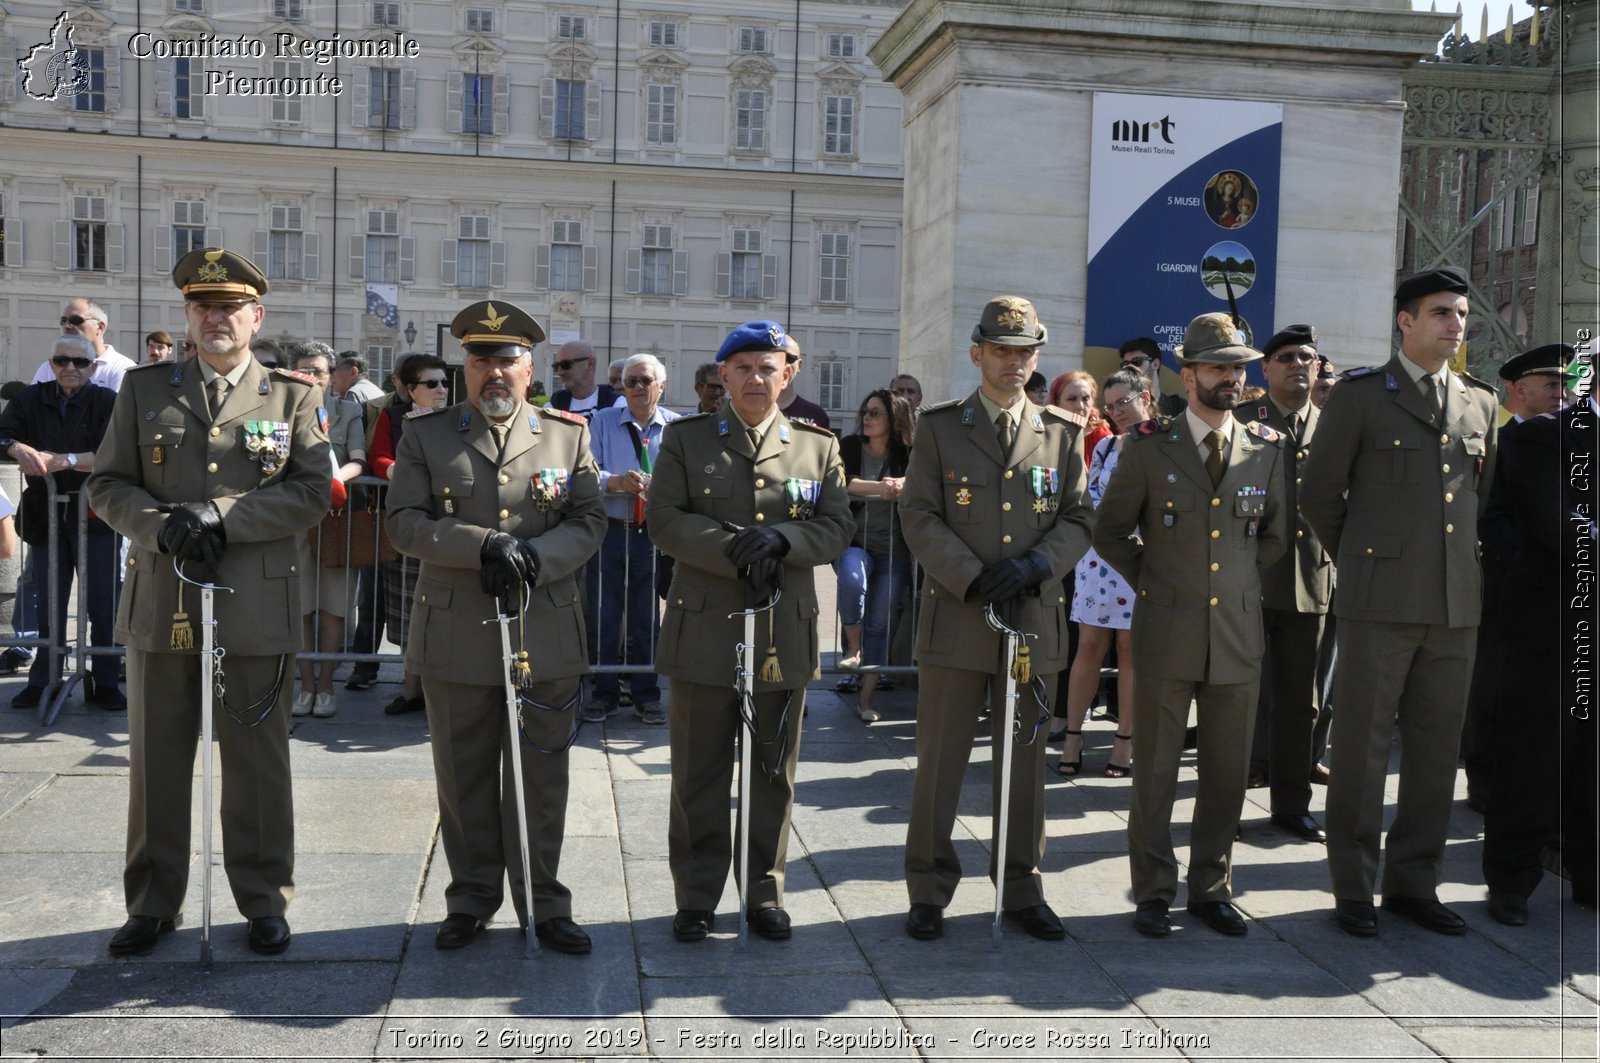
{"x": 408, "y": 99}
{"x": 591, "y": 110}
{"x": 358, "y": 258}
{"x": 591, "y": 269}
{"x": 452, "y": 102}
{"x": 680, "y": 273}
{"x": 502, "y": 105}
{"x": 11, "y": 253}
{"x": 408, "y": 260}
{"x": 164, "y": 86}
{"x": 497, "y": 264}
{"x": 547, "y": 107}
{"x": 61, "y": 235}
{"x": 261, "y": 250}
{"x": 541, "y": 266}
{"x": 113, "y": 80}
{"x": 162, "y": 259}
{"x": 310, "y": 256}
{"x": 635, "y": 263}
{"x": 769, "y": 276}
{"x": 447, "y": 263}
{"x": 360, "y": 95}
{"x": 116, "y": 245}
{"x": 724, "y": 273}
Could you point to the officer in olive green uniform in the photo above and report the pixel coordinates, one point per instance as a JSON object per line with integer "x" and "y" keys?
{"x": 1295, "y": 590}
{"x": 784, "y": 490}
{"x": 1209, "y": 525}
{"x": 994, "y": 514}
{"x": 498, "y": 501}
{"x": 1403, "y": 461}
{"x": 215, "y": 457}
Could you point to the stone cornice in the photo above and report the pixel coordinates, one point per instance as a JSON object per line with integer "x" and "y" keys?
{"x": 1219, "y": 27}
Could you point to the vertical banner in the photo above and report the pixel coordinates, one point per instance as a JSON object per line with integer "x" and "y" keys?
{"x": 1183, "y": 206}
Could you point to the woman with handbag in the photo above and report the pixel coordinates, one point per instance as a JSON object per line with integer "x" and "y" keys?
{"x": 424, "y": 388}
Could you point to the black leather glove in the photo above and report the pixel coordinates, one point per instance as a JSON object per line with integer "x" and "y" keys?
{"x": 504, "y": 571}
{"x": 530, "y": 561}
{"x": 752, "y": 544}
{"x": 765, "y": 576}
{"x": 1004, "y": 580}
{"x": 192, "y": 532}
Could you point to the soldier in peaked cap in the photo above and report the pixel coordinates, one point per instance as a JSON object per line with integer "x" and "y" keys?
{"x": 216, "y": 463}
{"x": 1296, "y": 588}
{"x": 1206, "y": 492}
{"x": 780, "y": 485}
{"x": 500, "y": 502}
{"x": 994, "y": 509}
{"x": 1393, "y": 490}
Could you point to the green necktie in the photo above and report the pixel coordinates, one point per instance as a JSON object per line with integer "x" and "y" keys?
{"x": 1214, "y": 462}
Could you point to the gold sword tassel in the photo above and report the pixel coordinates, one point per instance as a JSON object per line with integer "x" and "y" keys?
{"x": 182, "y": 630}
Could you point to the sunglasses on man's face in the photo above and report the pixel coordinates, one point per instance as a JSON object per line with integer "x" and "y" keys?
{"x": 75, "y": 320}
{"x": 567, "y": 363}
{"x": 64, "y": 360}
{"x": 638, "y": 382}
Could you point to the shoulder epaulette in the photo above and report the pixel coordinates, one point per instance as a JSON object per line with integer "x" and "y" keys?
{"x": 147, "y": 365}
{"x": 285, "y": 374}
{"x": 570, "y": 418}
{"x": 1485, "y": 385}
{"x": 809, "y": 427}
{"x": 1266, "y": 432}
{"x": 1360, "y": 371}
{"x": 429, "y": 412}
{"x": 934, "y": 407}
{"x": 697, "y": 415}
{"x": 1153, "y": 427}
{"x": 1067, "y": 415}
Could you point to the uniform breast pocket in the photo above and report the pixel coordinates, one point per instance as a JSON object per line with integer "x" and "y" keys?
{"x": 1476, "y": 450}
{"x": 450, "y": 493}
{"x": 158, "y": 443}
{"x": 965, "y": 495}
{"x": 1399, "y": 458}
{"x": 1171, "y": 511}
{"x": 708, "y": 492}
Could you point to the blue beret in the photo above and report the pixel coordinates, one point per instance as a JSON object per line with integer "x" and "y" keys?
{"x": 752, "y": 336}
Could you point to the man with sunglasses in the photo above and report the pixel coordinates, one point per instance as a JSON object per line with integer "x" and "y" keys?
{"x": 501, "y": 504}
{"x": 626, "y": 441}
{"x": 1144, "y": 354}
{"x": 211, "y": 465}
{"x": 1295, "y": 595}
{"x": 83, "y": 318}
{"x": 52, "y": 429}
{"x": 574, "y": 364}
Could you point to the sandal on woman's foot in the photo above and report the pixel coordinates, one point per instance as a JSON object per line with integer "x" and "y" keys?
{"x": 1120, "y": 771}
{"x": 1068, "y": 768}
{"x": 867, "y": 714}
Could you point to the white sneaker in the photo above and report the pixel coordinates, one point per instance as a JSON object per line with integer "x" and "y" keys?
{"x": 302, "y": 703}
{"x": 324, "y": 706}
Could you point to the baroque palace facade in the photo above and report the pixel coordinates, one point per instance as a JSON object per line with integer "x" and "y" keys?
{"x": 642, "y": 175}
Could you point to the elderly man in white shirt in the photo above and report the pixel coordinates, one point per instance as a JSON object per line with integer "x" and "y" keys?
{"x": 84, "y": 318}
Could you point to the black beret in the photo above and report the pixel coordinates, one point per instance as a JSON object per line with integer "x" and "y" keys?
{"x": 1552, "y": 359}
{"x": 1446, "y": 279}
{"x": 1291, "y": 336}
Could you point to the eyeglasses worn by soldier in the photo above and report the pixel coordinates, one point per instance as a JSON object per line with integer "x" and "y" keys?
{"x": 746, "y": 501}
{"x": 217, "y": 463}
{"x": 501, "y": 504}
{"x": 994, "y": 509}
{"x": 1195, "y": 512}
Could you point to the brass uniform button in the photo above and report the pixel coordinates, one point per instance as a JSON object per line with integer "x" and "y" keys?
{"x": 1216, "y": 534}
{"x": 1449, "y": 529}
{"x": 1369, "y": 551}
{"x": 760, "y": 517}
{"x": 1215, "y": 502}
{"x": 214, "y": 432}
{"x": 212, "y": 467}
{"x": 504, "y": 479}
{"x": 1449, "y": 496}
{"x": 1445, "y": 468}
{"x": 1006, "y": 506}
{"x": 1169, "y": 503}
{"x": 504, "y": 513}
{"x": 1005, "y": 538}
{"x": 1008, "y": 475}
{"x": 760, "y": 482}
{"x": 1215, "y": 566}
{"x": 1299, "y": 533}
{"x": 1443, "y": 440}
{"x": 1213, "y": 602}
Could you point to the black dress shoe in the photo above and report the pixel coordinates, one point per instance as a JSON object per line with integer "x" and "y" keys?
{"x": 104, "y": 697}
{"x": 28, "y": 698}
{"x": 563, "y": 935}
{"x": 693, "y": 924}
{"x": 1220, "y": 916}
{"x": 770, "y": 923}
{"x": 1427, "y": 913}
{"x": 1151, "y": 920}
{"x": 139, "y": 935}
{"x": 269, "y": 935}
{"x": 362, "y": 676}
{"x": 1508, "y": 909}
{"x": 925, "y": 921}
{"x": 1039, "y": 921}
{"x": 1302, "y": 826}
{"x": 1356, "y": 918}
{"x": 457, "y": 931}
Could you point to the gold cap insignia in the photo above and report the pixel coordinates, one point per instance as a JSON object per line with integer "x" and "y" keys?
{"x": 213, "y": 270}
{"x": 494, "y": 320}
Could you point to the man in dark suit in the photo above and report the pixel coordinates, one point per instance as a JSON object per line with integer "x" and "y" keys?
{"x": 501, "y": 503}
{"x": 215, "y": 461}
{"x": 1543, "y": 790}
{"x": 1393, "y": 489}
{"x": 994, "y": 509}
{"x": 1193, "y": 513}
{"x": 1295, "y": 593}
{"x": 780, "y": 483}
